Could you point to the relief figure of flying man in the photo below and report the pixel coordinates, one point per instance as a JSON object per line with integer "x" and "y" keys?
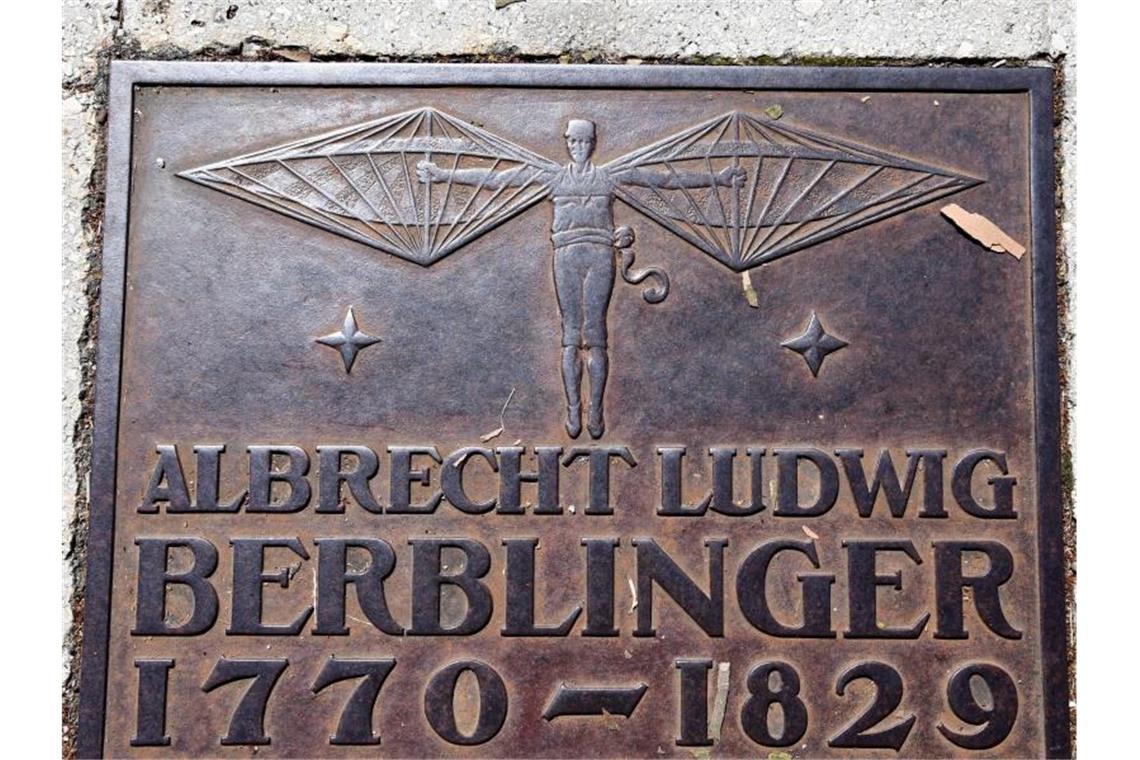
{"x": 742, "y": 189}
{"x": 584, "y": 240}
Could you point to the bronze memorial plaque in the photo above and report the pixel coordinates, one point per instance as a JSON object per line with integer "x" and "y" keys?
{"x": 511, "y": 411}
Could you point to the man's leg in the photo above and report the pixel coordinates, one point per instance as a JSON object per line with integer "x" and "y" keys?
{"x": 598, "y": 365}
{"x": 572, "y": 380}
{"x": 568, "y": 288}
{"x": 596, "y": 292}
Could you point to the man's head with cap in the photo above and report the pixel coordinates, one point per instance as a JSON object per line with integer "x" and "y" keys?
{"x": 580, "y": 139}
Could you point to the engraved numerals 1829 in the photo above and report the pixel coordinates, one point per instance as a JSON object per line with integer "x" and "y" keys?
{"x": 776, "y": 686}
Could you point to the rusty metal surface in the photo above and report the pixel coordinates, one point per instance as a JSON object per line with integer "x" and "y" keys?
{"x": 281, "y": 288}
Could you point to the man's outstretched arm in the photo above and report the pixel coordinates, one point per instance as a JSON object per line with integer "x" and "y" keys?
{"x": 428, "y": 171}
{"x": 671, "y": 180}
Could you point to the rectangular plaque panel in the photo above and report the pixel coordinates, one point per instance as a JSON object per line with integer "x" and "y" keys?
{"x": 576, "y": 411}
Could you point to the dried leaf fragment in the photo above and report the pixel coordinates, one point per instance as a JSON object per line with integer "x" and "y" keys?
{"x": 500, "y": 4}
{"x": 502, "y": 424}
{"x": 809, "y": 533}
{"x": 749, "y": 291}
{"x": 716, "y": 717}
{"x": 297, "y": 54}
{"x": 779, "y": 756}
{"x": 774, "y": 111}
{"x": 983, "y": 230}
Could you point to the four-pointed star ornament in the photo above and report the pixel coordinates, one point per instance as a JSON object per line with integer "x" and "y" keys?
{"x": 349, "y": 340}
{"x": 815, "y": 344}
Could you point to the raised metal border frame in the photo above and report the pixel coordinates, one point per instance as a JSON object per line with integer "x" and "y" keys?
{"x": 127, "y": 75}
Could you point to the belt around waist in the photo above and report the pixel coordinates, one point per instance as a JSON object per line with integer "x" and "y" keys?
{"x": 570, "y": 237}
